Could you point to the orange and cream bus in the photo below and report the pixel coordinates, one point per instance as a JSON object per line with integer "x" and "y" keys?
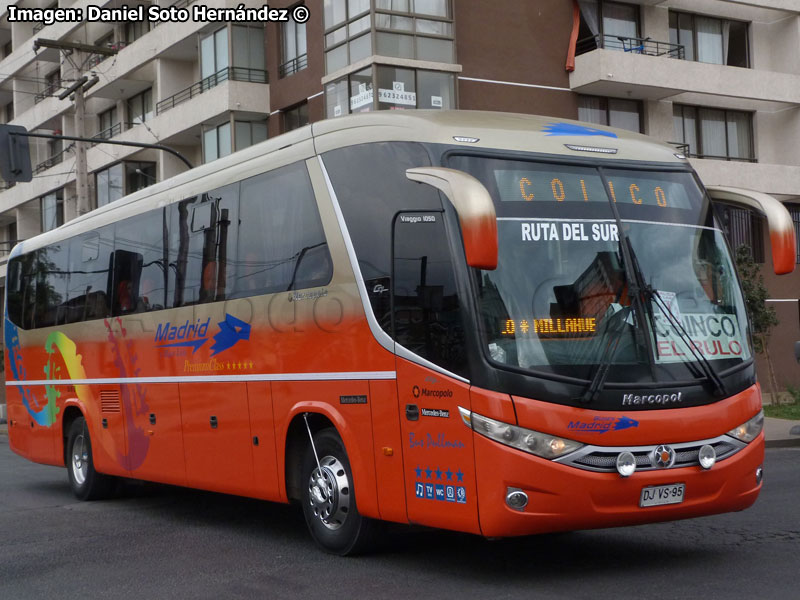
{"x": 491, "y": 323}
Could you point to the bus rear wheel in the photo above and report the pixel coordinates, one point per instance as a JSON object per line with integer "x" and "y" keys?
{"x": 86, "y": 483}
{"x": 328, "y": 498}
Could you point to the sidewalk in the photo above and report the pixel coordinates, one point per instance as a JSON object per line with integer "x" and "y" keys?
{"x": 780, "y": 433}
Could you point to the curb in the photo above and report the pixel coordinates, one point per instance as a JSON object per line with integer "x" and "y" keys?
{"x": 783, "y": 443}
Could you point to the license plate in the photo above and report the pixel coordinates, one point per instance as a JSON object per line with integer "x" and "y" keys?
{"x": 662, "y": 494}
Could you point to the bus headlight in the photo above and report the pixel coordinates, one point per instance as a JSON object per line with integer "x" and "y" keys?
{"x": 749, "y": 430}
{"x": 527, "y": 440}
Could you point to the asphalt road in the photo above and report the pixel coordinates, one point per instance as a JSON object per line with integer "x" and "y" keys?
{"x": 164, "y": 542}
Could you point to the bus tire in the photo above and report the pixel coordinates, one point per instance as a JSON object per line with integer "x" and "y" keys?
{"x": 86, "y": 483}
{"x": 329, "y": 501}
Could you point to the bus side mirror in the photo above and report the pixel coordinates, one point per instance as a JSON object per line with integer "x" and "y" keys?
{"x": 779, "y": 221}
{"x": 15, "y": 156}
{"x": 797, "y": 351}
{"x": 475, "y": 209}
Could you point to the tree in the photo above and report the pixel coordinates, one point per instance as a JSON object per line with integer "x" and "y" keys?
{"x": 762, "y": 317}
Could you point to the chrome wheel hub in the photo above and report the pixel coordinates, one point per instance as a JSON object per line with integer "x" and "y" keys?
{"x": 329, "y": 492}
{"x": 80, "y": 460}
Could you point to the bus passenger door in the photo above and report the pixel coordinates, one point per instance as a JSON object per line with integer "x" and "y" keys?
{"x": 438, "y": 454}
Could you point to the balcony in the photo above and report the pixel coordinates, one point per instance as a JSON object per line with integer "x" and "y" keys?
{"x": 230, "y": 73}
{"x": 642, "y": 71}
{"x": 630, "y": 44}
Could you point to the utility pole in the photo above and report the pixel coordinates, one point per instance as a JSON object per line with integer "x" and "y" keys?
{"x": 81, "y": 166}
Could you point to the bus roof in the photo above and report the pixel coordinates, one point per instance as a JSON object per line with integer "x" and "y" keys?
{"x": 483, "y": 129}
{"x": 469, "y": 129}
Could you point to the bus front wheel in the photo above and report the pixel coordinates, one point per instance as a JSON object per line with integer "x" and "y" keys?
{"x": 328, "y": 498}
{"x": 86, "y": 483}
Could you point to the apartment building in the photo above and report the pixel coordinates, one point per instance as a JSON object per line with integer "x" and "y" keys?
{"x": 718, "y": 78}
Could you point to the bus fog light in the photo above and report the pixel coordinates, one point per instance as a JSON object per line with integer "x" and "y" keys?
{"x": 626, "y": 464}
{"x": 707, "y": 456}
{"x": 516, "y": 499}
{"x": 759, "y": 475}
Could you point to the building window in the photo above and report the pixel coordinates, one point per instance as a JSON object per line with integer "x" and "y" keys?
{"x": 122, "y": 179}
{"x": 294, "y": 52}
{"x": 247, "y": 61}
{"x": 214, "y": 53}
{"x": 248, "y": 54}
{"x": 221, "y": 140}
{"x": 397, "y": 89}
{"x": 139, "y": 175}
{"x": 610, "y": 25}
{"x": 109, "y": 125}
{"x": 295, "y": 117}
{"x": 710, "y": 40}
{"x": 52, "y": 207}
{"x": 109, "y": 184}
{"x": 714, "y": 133}
{"x": 7, "y": 49}
{"x": 614, "y": 112}
{"x": 247, "y": 133}
{"x": 217, "y": 142}
{"x": 140, "y": 107}
{"x": 135, "y": 29}
{"x": 10, "y": 112}
{"x": 742, "y": 228}
{"x": 416, "y": 29}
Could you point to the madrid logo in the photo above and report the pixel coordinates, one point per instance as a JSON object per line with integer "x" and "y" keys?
{"x": 195, "y": 335}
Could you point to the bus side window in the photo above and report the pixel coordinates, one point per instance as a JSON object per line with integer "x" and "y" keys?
{"x": 427, "y": 315}
{"x": 51, "y": 287}
{"x": 282, "y": 244}
{"x": 140, "y": 281}
{"x": 202, "y": 243}
{"x": 89, "y": 268}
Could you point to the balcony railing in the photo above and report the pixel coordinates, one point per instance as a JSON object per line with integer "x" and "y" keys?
{"x": 6, "y": 246}
{"x": 685, "y": 149}
{"x": 233, "y": 73}
{"x": 680, "y": 147}
{"x": 294, "y": 65}
{"x": 108, "y": 132}
{"x": 630, "y": 44}
{"x": 50, "y": 162}
{"x": 50, "y": 90}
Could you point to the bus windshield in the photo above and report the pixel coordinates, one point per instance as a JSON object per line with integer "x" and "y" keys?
{"x": 561, "y": 299}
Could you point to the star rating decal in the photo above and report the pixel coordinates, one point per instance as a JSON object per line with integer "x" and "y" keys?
{"x": 441, "y": 492}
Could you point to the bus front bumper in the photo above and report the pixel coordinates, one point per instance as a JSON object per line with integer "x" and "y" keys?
{"x": 565, "y": 498}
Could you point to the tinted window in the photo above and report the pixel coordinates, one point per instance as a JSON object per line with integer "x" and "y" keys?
{"x": 202, "y": 246}
{"x": 88, "y": 292}
{"x": 371, "y": 187}
{"x": 281, "y": 242}
{"x": 51, "y": 287}
{"x": 427, "y": 317}
{"x": 140, "y": 283}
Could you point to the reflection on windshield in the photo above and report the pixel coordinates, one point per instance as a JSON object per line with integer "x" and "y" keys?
{"x": 560, "y": 295}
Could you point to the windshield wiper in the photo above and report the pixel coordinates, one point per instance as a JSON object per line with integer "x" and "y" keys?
{"x": 652, "y": 294}
{"x": 609, "y": 352}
